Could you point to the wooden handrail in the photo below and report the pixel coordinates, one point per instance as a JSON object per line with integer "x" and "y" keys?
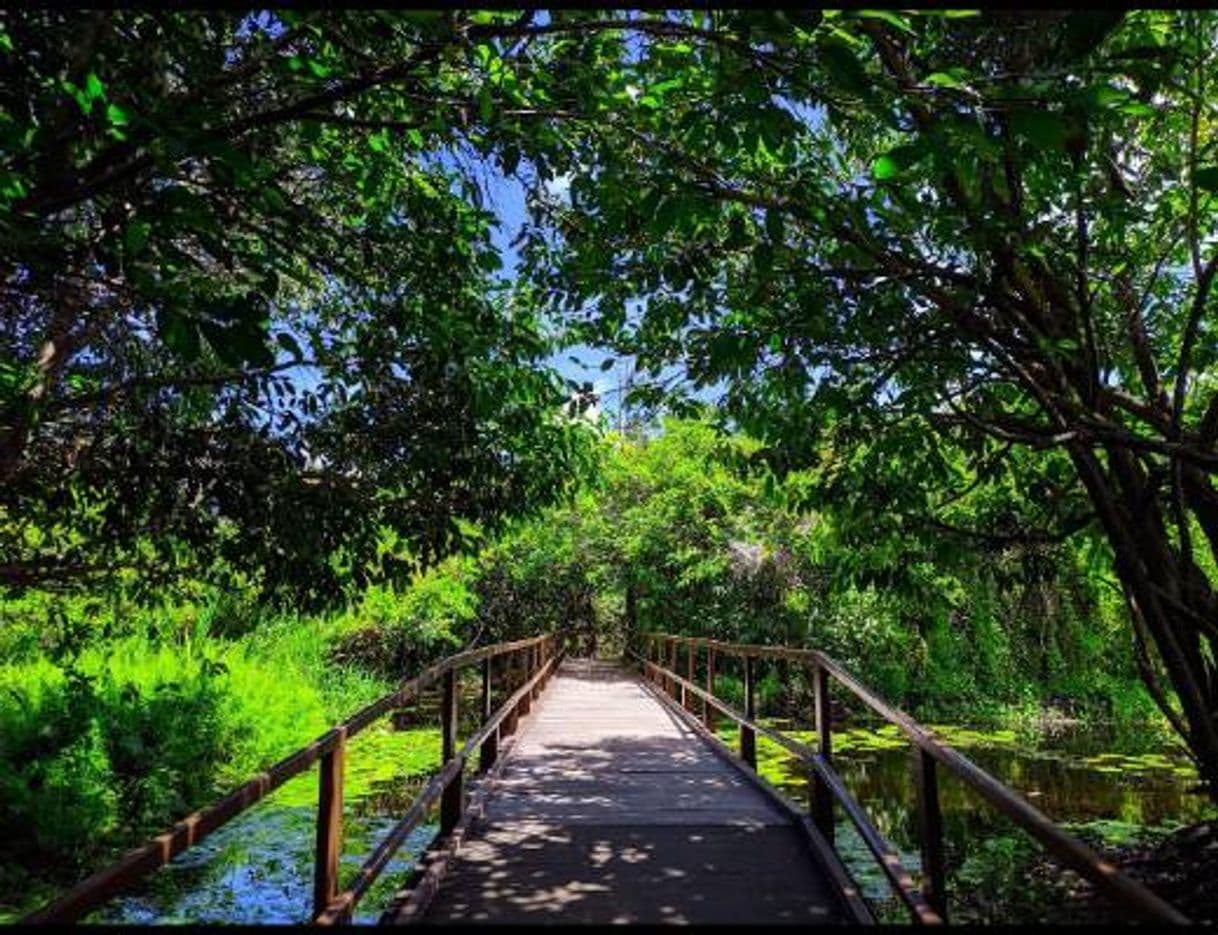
{"x": 886, "y": 855}
{"x": 329, "y": 749}
{"x": 1071, "y": 851}
{"x": 343, "y": 904}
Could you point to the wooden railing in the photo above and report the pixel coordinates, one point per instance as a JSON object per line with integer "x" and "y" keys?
{"x": 925, "y": 905}
{"x": 529, "y": 661}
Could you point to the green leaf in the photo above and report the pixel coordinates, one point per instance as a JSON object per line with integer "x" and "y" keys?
{"x": 285, "y": 340}
{"x": 117, "y": 116}
{"x": 1041, "y": 128}
{"x": 774, "y": 225}
{"x": 178, "y": 333}
{"x": 136, "y": 236}
{"x": 93, "y": 87}
{"x": 844, "y": 67}
{"x": 945, "y": 79}
{"x": 885, "y": 168}
{"x": 318, "y": 69}
{"x": 1206, "y": 177}
{"x": 887, "y": 16}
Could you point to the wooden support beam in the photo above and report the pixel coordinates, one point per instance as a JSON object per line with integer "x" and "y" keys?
{"x": 748, "y": 739}
{"x": 930, "y": 832}
{"x": 689, "y": 670}
{"x": 822, "y": 797}
{"x": 708, "y": 711}
{"x": 329, "y": 825}
{"x": 489, "y": 750}
{"x": 451, "y": 800}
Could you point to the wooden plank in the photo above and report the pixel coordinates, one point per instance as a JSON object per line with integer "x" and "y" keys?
{"x": 451, "y": 801}
{"x": 489, "y": 750}
{"x": 1071, "y": 851}
{"x": 602, "y": 763}
{"x": 826, "y": 857}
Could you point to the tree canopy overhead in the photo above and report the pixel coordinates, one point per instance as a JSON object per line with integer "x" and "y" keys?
{"x": 993, "y": 233}
{"x": 237, "y": 248}
{"x": 250, "y": 297}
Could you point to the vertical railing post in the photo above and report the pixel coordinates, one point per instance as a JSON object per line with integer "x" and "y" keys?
{"x": 822, "y": 798}
{"x": 675, "y": 666}
{"x": 930, "y": 833}
{"x": 708, "y": 710}
{"x": 507, "y": 726}
{"x": 691, "y": 648}
{"x": 534, "y": 665}
{"x": 450, "y": 800}
{"x": 490, "y": 747}
{"x": 526, "y": 700}
{"x": 748, "y": 738}
{"x": 329, "y": 825}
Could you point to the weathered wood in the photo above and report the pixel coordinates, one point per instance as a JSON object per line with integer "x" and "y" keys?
{"x": 490, "y": 747}
{"x": 1071, "y": 851}
{"x": 853, "y": 904}
{"x": 885, "y": 854}
{"x": 679, "y": 692}
{"x": 341, "y": 906}
{"x": 822, "y": 797}
{"x": 526, "y": 700}
{"x": 607, "y": 800}
{"x": 689, "y": 671}
{"x": 708, "y": 710}
{"x": 930, "y": 832}
{"x": 748, "y": 737}
{"x": 451, "y": 801}
{"x": 329, "y": 826}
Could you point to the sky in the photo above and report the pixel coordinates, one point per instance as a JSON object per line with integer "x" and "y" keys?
{"x": 581, "y": 363}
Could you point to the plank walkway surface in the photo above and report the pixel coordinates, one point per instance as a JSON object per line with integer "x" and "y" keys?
{"x": 610, "y": 809}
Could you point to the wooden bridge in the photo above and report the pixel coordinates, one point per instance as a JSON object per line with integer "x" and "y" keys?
{"x": 598, "y": 792}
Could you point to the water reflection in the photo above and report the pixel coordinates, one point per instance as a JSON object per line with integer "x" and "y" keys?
{"x": 1105, "y": 786}
{"x": 258, "y": 868}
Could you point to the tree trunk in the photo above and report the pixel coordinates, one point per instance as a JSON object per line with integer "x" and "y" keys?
{"x": 1168, "y": 594}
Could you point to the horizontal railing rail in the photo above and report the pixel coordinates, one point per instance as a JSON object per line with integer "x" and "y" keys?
{"x": 927, "y": 905}
{"x": 528, "y": 659}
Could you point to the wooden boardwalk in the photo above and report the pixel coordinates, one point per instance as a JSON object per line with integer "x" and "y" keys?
{"x": 610, "y": 809}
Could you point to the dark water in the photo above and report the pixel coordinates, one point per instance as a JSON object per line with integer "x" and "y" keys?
{"x": 1108, "y": 787}
{"x": 258, "y": 868}
{"x": 1105, "y": 786}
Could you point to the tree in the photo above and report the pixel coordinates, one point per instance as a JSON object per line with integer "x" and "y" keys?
{"x": 995, "y": 228}
{"x": 248, "y": 294}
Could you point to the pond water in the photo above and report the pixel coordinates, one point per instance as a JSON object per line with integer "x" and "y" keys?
{"x": 1108, "y": 787}
{"x": 258, "y": 868}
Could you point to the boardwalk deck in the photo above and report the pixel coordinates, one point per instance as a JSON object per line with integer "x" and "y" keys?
{"x": 610, "y": 809}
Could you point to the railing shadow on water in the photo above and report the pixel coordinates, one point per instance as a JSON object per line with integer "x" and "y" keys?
{"x": 524, "y": 665}
{"x": 660, "y": 663}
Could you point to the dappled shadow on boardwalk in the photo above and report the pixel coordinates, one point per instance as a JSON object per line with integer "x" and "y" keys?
{"x": 612, "y": 810}
{"x": 541, "y": 872}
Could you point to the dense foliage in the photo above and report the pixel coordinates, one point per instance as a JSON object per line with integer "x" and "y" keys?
{"x": 946, "y": 276}
{"x": 242, "y": 323}
{"x": 117, "y": 719}
{"x": 984, "y": 241}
